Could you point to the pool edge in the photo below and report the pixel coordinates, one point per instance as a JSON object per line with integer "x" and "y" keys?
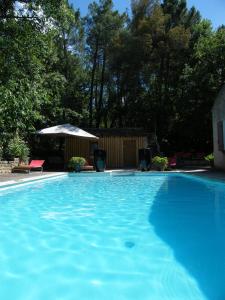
{"x": 15, "y": 183}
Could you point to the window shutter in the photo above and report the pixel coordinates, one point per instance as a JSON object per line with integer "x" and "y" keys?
{"x": 220, "y": 136}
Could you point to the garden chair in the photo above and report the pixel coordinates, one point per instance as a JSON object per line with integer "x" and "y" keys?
{"x": 36, "y": 165}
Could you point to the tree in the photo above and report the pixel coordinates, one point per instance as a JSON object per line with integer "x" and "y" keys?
{"x": 34, "y": 75}
{"x": 103, "y": 25}
{"x": 159, "y": 69}
{"x": 202, "y": 78}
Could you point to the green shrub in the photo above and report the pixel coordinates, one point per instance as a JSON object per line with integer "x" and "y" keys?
{"x": 161, "y": 163}
{"x": 210, "y": 159}
{"x": 75, "y": 163}
{"x": 17, "y": 147}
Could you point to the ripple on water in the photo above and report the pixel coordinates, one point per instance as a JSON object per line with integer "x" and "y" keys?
{"x": 82, "y": 237}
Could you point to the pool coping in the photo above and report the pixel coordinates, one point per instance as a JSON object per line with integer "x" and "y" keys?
{"x": 197, "y": 174}
{"x": 16, "y": 182}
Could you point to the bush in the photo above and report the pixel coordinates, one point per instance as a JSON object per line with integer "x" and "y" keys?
{"x": 17, "y": 147}
{"x": 210, "y": 159}
{"x": 161, "y": 163}
{"x": 76, "y": 163}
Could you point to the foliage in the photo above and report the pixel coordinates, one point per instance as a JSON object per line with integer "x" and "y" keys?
{"x": 160, "y": 162}
{"x": 76, "y": 162}
{"x": 37, "y": 63}
{"x": 17, "y": 147}
{"x": 103, "y": 27}
{"x": 1, "y": 151}
{"x": 159, "y": 68}
{"x": 209, "y": 158}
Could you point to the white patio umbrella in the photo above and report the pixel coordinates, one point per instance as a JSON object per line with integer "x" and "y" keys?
{"x": 66, "y": 130}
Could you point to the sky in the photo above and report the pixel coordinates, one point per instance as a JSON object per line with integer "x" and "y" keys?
{"x": 213, "y": 10}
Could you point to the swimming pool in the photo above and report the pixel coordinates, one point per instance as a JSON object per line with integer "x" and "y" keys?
{"x": 151, "y": 237}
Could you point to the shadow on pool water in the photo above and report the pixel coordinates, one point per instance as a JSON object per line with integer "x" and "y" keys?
{"x": 189, "y": 216}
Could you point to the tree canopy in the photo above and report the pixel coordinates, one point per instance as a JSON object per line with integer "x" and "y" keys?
{"x": 159, "y": 68}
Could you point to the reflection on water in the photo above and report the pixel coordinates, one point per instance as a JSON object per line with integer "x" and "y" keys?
{"x": 122, "y": 238}
{"x": 189, "y": 216}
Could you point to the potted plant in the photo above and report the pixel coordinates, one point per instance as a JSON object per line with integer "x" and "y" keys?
{"x": 160, "y": 163}
{"x": 210, "y": 158}
{"x": 76, "y": 163}
{"x": 18, "y": 148}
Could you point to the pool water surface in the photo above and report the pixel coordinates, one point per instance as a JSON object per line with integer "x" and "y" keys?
{"x": 158, "y": 237}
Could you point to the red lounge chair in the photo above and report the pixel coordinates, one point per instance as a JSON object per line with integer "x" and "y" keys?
{"x": 87, "y": 167}
{"x": 172, "y": 162}
{"x": 33, "y": 165}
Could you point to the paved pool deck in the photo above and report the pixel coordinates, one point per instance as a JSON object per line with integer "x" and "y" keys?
{"x": 18, "y": 178}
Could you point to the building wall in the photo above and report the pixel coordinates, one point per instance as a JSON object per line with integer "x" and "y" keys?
{"x": 218, "y": 114}
{"x": 112, "y": 145}
{"x": 76, "y": 147}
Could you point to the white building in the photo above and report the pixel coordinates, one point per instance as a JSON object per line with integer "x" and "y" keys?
{"x": 218, "y": 113}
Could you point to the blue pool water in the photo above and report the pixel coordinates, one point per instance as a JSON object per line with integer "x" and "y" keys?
{"x": 105, "y": 238}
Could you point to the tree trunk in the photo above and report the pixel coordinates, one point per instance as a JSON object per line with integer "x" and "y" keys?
{"x": 92, "y": 84}
{"x": 96, "y": 92}
{"x": 160, "y": 108}
{"x": 65, "y": 54}
{"x": 100, "y": 102}
{"x": 120, "y": 100}
{"x": 65, "y": 71}
{"x": 167, "y": 77}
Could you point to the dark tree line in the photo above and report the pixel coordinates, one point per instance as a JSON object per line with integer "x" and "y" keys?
{"x": 159, "y": 68}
